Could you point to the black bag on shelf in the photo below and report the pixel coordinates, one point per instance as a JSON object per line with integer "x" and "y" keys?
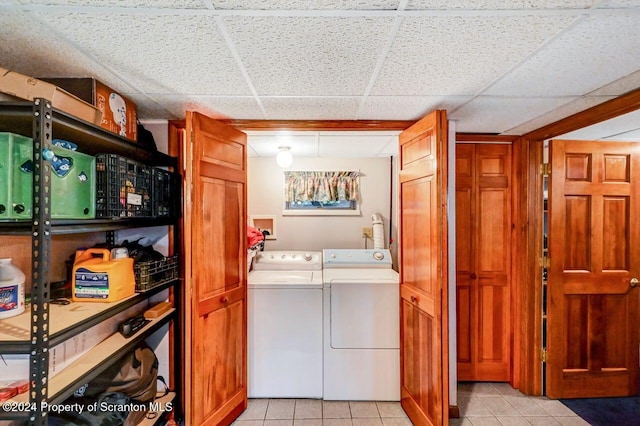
{"x": 145, "y": 138}
{"x": 130, "y": 382}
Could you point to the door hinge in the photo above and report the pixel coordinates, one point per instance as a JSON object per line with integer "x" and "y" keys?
{"x": 543, "y": 355}
{"x": 545, "y": 169}
{"x": 545, "y": 262}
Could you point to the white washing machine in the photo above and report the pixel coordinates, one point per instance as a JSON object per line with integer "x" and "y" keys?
{"x": 285, "y": 325}
{"x": 361, "y": 326}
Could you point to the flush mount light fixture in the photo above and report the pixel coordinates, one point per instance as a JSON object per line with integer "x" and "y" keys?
{"x": 284, "y": 158}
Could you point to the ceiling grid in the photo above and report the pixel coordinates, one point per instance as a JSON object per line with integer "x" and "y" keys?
{"x": 497, "y": 66}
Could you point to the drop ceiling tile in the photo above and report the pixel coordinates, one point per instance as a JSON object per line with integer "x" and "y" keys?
{"x": 173, "y": 4}
{"x": 391, "y": 148}
{"x": 623, "y": 85}
{"x": 49, "y": 55}
{"x": 267, "y": 144}
{"x": 150, "y": 108}
{"x": 612, "y": 129}
{"x": 487, "y": 114}
{"x": 299, "y": 56}
{"x": 406, "y": 107}
{"x": 305, "y": 4}
{"x": 311, "y": 108}
{"x": 214, "y": 107}
{"x": 500, "y": 4}
{"x": 619, "y": 3}
{"x": 360, "y": 145}
{"x": 559, "y": 113}
{"x": 460, "y": 55}
{"x": 630, "y": 136}
{"x": 159, "y": 54}
{"x": 596, "y": 51}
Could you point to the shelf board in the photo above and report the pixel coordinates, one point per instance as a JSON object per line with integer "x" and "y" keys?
{"x": 66, "y": 320}
{"x": 94, "y": 362}
{"x": 79, "y": 226}
{"x": 17, "y": 117}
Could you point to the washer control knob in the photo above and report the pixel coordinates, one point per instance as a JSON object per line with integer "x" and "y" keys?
{"x": 378, "y": 255}
{"x": 333, "y": 255}
{"x": 293, "y": 256}
{"x": 308, "y": 257}
{"x": 284, "y": 256}
{"x": 272, "y": 256}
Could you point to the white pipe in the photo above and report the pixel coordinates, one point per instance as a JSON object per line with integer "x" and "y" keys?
{"x": 378, "y": 231}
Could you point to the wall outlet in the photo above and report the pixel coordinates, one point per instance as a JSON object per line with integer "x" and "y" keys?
{"x": 367, "y": 232}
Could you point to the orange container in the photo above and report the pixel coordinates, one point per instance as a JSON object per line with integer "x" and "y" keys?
{"x": 98, "y": 278}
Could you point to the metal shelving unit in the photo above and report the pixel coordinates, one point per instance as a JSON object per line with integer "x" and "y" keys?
{"x": 41, "y": 122}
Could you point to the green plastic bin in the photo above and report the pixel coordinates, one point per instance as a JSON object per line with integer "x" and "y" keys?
{"x": 73, "y": 188}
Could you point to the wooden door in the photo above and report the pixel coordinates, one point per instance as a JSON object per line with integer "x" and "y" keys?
{"x": 423, "y": 271}
{"x": 594, "y": 249}
{"x": 215, "y": 256}
{"x": 483, "y": 262}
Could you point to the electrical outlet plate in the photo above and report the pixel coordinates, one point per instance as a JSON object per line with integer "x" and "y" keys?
{"x": 367, "y": 232}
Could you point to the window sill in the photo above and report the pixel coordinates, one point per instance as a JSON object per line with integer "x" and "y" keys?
{"x": 321, "y": 212}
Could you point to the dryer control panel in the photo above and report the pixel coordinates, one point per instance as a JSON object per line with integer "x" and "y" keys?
{"x": 356, "y": 258}
{"x": 288, "y": 260}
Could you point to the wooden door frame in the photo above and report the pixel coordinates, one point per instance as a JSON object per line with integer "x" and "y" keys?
{"x": 529, "y": 227}
{"x": 183, "y": 351}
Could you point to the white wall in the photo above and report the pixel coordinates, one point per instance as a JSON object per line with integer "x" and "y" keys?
{"x": 266, "y": 197}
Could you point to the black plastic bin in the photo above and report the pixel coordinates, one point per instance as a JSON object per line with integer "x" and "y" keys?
{"x": 165, "y": 193}
{"x": 123, "y": 187}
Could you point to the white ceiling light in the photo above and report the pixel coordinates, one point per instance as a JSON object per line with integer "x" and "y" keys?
{"x": 284, "y": 158}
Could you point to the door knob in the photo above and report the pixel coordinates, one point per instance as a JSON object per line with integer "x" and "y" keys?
{"x": 633, "y": 282}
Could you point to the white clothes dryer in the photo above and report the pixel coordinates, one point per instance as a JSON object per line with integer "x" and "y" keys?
{"x": 284, "y": 329}
{"x": 361, "y": 326}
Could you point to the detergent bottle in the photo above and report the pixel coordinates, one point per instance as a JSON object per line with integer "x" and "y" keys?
{"x": 99, "y": 278}
{"x": 11, "y": 289}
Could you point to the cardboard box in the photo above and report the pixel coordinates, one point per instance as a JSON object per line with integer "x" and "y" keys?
{"x": 29, "y": 88}
{"x": 119, "y": 114}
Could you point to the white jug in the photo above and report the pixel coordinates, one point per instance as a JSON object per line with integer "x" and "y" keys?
{"x": 11, "y": 289}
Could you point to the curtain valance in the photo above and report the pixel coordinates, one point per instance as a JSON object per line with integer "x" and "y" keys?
{"x": 321, "y": 186}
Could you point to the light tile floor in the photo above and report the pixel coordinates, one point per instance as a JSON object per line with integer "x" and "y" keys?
{"x": 499, "y": 404}
{"x": 480, "y": 404}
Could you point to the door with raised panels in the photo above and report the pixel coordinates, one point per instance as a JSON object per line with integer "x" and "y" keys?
{"x": 483, "y": 261}
{"x": 423, "y": 271}
{"x": 594, "y": 249}
{"x": 215, "y": 255}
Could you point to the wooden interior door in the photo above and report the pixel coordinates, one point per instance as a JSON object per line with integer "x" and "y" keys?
{"x": 216, "y": 271}
{"x": 483, "y": 262}
{"x": 594, "y": 249}
{"x": 423, "y": 271}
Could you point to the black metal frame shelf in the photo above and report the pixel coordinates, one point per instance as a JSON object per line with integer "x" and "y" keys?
{"x": 80, "y": 226}
{"x": 130, "y": 344}
{"x": 17, "y": 117}
{"x": 41, "y": 122}
{"x": 110, "y": 357}
{"x": 23, "y": 346}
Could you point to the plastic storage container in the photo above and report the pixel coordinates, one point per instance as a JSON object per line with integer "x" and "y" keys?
{"x": 123, "y": 187}
{"x": 98, "y": 278}
{"x": 11, "y": 289}
{"x": 165, "y": 193}
{"x": 153, "y": 273}
{"x": 72, "y": 180}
